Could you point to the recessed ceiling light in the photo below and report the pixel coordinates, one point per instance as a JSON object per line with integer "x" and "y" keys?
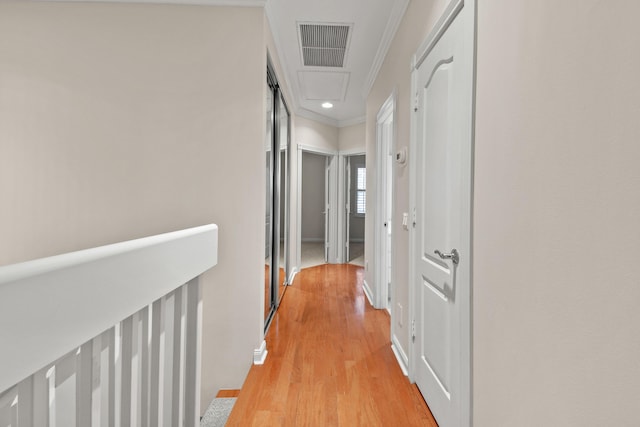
{"x": 327, "y": 105}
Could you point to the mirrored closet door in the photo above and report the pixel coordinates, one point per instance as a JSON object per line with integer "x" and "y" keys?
{"x": 277, "y": 201}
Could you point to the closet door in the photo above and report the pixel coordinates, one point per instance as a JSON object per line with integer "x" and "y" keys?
{"x": 271, "y": 218}
{"x": 283, "y": 193}
{"x": 277, "y": 201}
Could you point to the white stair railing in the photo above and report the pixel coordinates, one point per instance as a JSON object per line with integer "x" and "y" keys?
{"x": 109, "y": 336}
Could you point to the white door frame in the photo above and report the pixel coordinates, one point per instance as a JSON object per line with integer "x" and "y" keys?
{"x": 342, "y": 201}
{"x": 383, "y": 223}
{"x": 333, "y": 202}
{"x": 328, "y": 209}
{"x": 346, "y": 212}
{"x": 440, "y": 27}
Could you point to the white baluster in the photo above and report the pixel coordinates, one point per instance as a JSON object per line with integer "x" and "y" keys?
{"x": 97, "y": 381}
{"x": 144, "y": 371}
{"x": 51, "y": 396}
{"x": 157, "y": 362}
{"x": 40, "y": 398}
{"x": 14, "y": 412}
{"x": 169, "y": 356}
{"x": 63, "y": 381}
{"x": 179, "y": 372}
{"x": 134, "y": 401}
{"x": 84, "y": 385}
{"x": 145, "y": 326}
{"x": 193, "y": 352}
{"x": 7, "y": 404}
{"x": 25, "y": 403}
{"x": 115, "y": 377}
{"x": 125, "y": 372}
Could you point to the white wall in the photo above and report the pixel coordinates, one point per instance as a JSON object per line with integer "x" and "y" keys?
{"x": 352, "y": 138}
{"x": 557, "y": 203}
{"x": 310, "y": 133}
{"x": 395, "y": 75}
{"x": 118, "y": 121}
{"x": 313, "y": 192}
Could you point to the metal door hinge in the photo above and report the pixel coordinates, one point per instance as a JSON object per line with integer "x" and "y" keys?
{"x": 413, "y": 330}
{"x": 414, "y": 217}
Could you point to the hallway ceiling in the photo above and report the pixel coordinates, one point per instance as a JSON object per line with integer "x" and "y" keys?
{"x": 370, "y": 26}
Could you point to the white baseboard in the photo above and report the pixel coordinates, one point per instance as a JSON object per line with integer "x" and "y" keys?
{"x": 260, "y": 354}
{"x": 401, "y": 356}
{"x": 292, "y": 276}
{"x": 312, "y": 239}
{"x": 367, "y": 292}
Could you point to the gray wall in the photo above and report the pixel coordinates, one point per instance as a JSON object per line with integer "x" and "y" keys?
{"x": 313, "y": 183}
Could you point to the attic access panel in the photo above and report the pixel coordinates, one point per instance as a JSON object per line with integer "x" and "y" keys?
{"x": 324, "y": 44}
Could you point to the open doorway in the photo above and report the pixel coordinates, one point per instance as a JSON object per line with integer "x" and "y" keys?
{"x": 356, "y": 202}
{"x": 384, "y": 223}
{"x": 317, "y": 198}
{"x": 315, "y": 209}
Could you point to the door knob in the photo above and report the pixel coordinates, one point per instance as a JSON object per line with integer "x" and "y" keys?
{"x": 453, "y": 256}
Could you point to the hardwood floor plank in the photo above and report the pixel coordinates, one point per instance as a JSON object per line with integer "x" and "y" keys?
{"x": 330, "y": 361}
{"x": 228, "y": 393}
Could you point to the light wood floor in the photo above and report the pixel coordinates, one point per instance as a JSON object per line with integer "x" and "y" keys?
{"x": 330, "y": 361}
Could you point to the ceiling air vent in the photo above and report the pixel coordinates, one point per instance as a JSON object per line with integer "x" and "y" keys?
{"x": 324, "y": 45}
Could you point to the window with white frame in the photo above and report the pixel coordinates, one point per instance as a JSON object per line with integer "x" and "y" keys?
{"x": 361, "y": 190}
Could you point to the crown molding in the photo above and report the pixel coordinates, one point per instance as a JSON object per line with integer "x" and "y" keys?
{"x": 292, "y": 90}
{"x": 397, "y": 13}
{"x": 308, "y": 114}
{"x": 311, "y": 115}
{"x": 352, "y": 122}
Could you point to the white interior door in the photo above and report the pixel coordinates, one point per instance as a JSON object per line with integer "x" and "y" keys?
{"x": 442, "y": 224}
{"x": 384, "y": 131}
{"x": 388, "y": 144}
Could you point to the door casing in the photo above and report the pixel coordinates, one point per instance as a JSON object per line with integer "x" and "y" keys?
{"x": 343, "y": 183}
{"x": 385, "y": 142}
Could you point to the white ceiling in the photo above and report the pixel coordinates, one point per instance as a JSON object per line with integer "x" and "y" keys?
{"x": 374, "y": 23}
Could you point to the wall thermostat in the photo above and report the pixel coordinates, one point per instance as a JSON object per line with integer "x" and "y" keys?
{"x": 401, "y": 156}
